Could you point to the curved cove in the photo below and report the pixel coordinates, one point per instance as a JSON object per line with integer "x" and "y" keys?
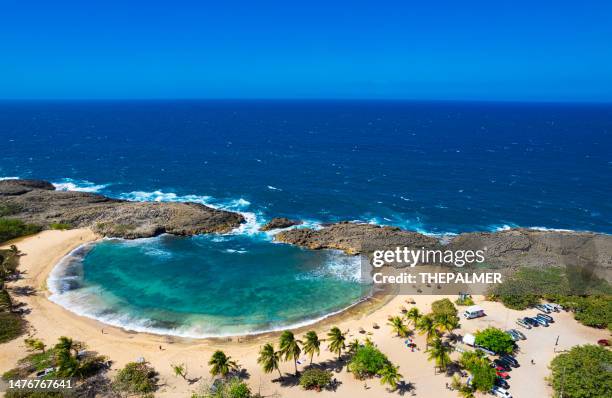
{"x": 205, "y": 286}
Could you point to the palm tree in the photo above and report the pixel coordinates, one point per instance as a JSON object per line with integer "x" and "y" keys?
{"x": 312, "y": 344}
{"x": 35, "y": 345}
{"x": 337, "y": 341}
{"x": 221, "y": 364}
{"x": 68, "y": 344}
{"x": 447, "y": 323}
{"x": 413, "y": 316}
{"x": 397, "y": 324}
{"x": 427, "y": 326}
{"x": 290, "y": 348}
{"x": 269, "y": 359}
{"x": 439, "y": 351}
{"x": 179, "y": 370}
{"x": 353, "y": 346}
{"x": 390, "y": 375}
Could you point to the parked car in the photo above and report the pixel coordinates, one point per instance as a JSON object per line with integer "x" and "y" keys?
{"x": 500, "y": 392}
{"x": 543, "y": 308}
{"x": 501, "y": 383}
{"x": 502, "y": 374}
{"x": 43, "y": 373}
{"x": 502, "y": 364}
{"x": 483, "y": 349}
{"x": 514, "y": 336}
{"x": 541, "y": 321}
{"x": 519, "y": 333}
{"x": 553, "y": 307}
{"x": 510, "y": 360}
{"x": 548, "y": 318}
{"x": 522, "y": 323}
{"x": 604, "y": 342}
{"x": 557, "y": 307}
{"x": 531, "y": 321}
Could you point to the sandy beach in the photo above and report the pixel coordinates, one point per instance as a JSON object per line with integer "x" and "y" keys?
{"x": 49, "y": 321}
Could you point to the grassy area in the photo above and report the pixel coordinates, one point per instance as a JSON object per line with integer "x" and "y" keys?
{"x": 12, "y": 228}
{"x": 60, "y": 226}
{"x": 11, "y": 326}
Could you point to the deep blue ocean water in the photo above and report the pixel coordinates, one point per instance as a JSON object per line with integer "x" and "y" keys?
{"x": 437, "y": 167}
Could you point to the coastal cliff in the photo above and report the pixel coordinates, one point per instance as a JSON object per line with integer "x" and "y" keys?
{"x": 38, "y": 202}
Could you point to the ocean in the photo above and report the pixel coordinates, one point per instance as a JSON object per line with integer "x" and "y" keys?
{"x": 433, "y": 167}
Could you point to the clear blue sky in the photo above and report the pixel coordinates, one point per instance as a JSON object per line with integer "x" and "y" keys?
{"x": 499, "y": 50}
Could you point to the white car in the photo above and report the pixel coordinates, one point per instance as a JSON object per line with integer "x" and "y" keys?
{"x": 500, "y": 392}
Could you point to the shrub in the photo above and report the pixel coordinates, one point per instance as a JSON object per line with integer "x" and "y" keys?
{"x": 495, "y": 340}
{"x": 583, "y": 372}
{"x": 367, "y": 361}
{"x": 60, "y": 226}
{"x": 464, "y": 301}
{"x": 315, "y": 379}
{"x": 11, "y": 326}
{"x": 136, "y": 378}
{"x": 221, "y": 388}
{"x": 11, "y": 229}
{"x": 8, "y": 209}
{"x": 443, "y": 307}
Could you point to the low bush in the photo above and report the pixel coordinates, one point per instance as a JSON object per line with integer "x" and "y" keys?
{"x": 60, "y": 226}
{"x": 582, "y": 372}
{"x": 315, "y": 379}
{"x": 136, "y": 378}
{"x": 367, "y": 362}
{"x": 11, "y": 229}
{"x": 11, "y": 326}
{"x": 495, "y": 340}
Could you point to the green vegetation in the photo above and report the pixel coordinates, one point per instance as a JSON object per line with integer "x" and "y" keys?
{"x": 495, "y": 340}
{"x": 483, "y": 375}
{"x": 136, "y": 378}
{"x": 390, "y": 375}
{"x": 590, "y": 298}
{"x": 464, "y": 301}
{"x": 316, "y": 379}
{"x": 443, "y": 307}
{"x": 398, "y": 326}
{"x": 337, "y": 341}
{"x": 60, "y": 226}
{"x": 269, "y": 359}
{"x": 9, "y": 209}
{"x": 12, "y": 325}
{"x": 231, "y": 388}
{"x": 312, "y": 344}
{"x": 594, "y": 311}
{"x": 439, "y": 352}
{"x": 221, "y": 364}
{"x": 413, "y": 316}
{"x": 179, "y": 370}
{"x": 427, "y": 326}
{"x": 290, "y": 348}
{"x": 12, "y": 228}
{"x": 583, "y": 372}
{"x": 367, "y": 362}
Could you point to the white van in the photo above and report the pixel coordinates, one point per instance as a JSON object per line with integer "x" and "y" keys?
{"x": 474, "y": 311}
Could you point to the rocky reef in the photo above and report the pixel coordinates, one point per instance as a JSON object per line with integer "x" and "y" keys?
{"x": 38, "y": 202}
{"x": 279, "y": 223}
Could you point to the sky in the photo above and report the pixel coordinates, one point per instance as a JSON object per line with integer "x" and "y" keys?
{"x": 472, "y": 50}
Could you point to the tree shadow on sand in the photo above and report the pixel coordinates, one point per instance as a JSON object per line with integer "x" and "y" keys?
{"x": 404, "y": 388}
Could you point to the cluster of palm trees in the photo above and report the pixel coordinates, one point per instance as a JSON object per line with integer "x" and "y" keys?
{"x": 291, "y": 348}
{"x": 433, "y": 326}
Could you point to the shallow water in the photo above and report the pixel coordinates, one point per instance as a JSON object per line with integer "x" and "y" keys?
{"x": 206, "y": 285}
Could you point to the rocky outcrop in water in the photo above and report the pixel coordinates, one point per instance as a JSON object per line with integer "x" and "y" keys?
{"x": 39, "y": 203}
{"x": 516, "y": 247}
{"x": 279, "y": 223}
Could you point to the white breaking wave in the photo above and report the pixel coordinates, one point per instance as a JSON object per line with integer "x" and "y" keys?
{"x": 69, "y": 184}
{"x": 8, "y": 178}
{"x": 271, "y": 188}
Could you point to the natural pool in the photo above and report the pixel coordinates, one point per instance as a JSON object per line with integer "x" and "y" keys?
{"x": 203, "y": 286}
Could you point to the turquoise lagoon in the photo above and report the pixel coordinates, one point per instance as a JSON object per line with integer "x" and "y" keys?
{"x": 205, "y": 286}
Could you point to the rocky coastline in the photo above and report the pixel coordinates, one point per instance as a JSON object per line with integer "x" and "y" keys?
{"x": 38, "y": 202}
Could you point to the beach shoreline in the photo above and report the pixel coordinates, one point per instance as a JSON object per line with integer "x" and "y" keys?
{"x": 48, "y": 321}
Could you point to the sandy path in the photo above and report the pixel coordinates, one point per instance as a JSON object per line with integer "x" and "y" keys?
{"x": 49, "y": 321}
